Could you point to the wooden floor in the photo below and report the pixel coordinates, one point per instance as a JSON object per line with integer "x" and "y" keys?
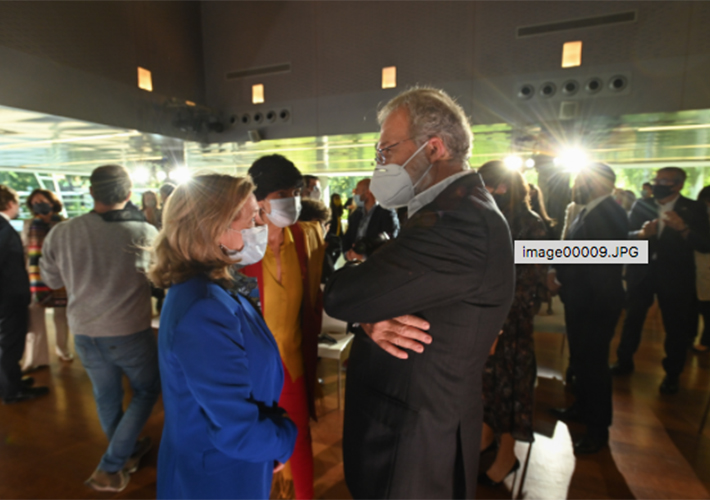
{"x": 48, "y": 447}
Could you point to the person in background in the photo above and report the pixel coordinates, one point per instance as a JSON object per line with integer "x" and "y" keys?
{"x": 335, "y": 230}
{"x": 647, "y": 191}
{"x": 165, "y": 191}
{"x": 46, "y": 208}
{"x": 101, "y": 258}
{"x": 625, "y": 198}
{"x": 289, "y": 279}
{"x": 510, "y": 372}
{"x": 593, "y": 295}
{"x": 676, "y": 228}
{"x": 367, "y": 223}
{"x": 537, "y": 205}
{"x": 317, "y": 211}
{"x": 702, "y": 284}
{"x": 221, "y": 373}
{"x": 14, "y": 301}
{"x": 150, "y": 208}
{"x": 311, "y": 188}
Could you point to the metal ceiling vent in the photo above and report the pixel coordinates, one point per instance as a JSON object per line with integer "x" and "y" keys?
{"x": 274, "y": 69}
{"x": 573, "y": 24}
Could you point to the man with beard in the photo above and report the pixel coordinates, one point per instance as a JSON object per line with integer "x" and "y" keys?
{"x": 675, "y": 227}
{"x": 593, "y": 296}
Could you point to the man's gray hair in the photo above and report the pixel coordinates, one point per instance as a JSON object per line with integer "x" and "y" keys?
{"x": 432, "y": 112}
{"x": 110, "y": 184}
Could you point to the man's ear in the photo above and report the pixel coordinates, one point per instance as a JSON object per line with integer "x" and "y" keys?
{"x": 129, "y": 197}
{"x": 437, "y": 150}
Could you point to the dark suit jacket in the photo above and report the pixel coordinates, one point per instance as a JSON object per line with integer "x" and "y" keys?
{"x": 675, "y": 262}
{"x": 597, "y": 286}
{"x": 452, "y": 265}
{"x": 14, "y": 282}
{"x": 382, "y": 221}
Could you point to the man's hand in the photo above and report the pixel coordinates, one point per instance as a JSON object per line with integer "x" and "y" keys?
{"x": 351, "y": 255}
{"x": 649, "y": 228}
{"x": 403, "y": 332}
{"x": 552, "y": 284}
{"x": 674, "y": 221}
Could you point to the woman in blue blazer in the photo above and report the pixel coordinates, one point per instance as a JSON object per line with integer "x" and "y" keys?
{"x": 224, "y": 433}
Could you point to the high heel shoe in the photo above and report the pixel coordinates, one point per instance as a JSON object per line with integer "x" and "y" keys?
{"x": 485, "y": 480}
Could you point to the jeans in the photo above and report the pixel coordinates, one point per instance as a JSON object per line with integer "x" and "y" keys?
{"x": 106, "y": 359}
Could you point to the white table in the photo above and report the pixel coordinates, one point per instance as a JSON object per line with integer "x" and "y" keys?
{"x": 339, "y": 351}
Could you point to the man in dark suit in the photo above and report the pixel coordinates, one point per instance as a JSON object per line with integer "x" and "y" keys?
{"x": 368, "y": 222}
{"x": 413, "y": 414}
{"x": 14, "y": 300}
{"x": 593, "y": 296}
{"x": 675, "y": 228}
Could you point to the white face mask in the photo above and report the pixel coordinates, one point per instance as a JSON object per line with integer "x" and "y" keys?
{"x": 255, "y": 241}
{"x": 358, "y": 201}
{"x": 392, "y": 185}
{"x": 285, "y": 211}
{"x": 315, "y": 193}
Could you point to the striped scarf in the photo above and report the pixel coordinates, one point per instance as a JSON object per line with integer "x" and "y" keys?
{"x": 41, "y": 293}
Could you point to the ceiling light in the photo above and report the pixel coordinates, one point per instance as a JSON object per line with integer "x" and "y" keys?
{"x": 180, "y": 175}
{"x": 145, "y": 80}
{"x": 572, "y": 160}
{"x": 530, "y": 163}
{"x": 257, "y": 93}
{"x": 140, "y": 175}
{"x": 389, "y": 77}
{"x": 513, "y": 162}
{"x": 572, "y": 54}
{"x": 31, "y": 144}
{"x": 671, "y": 127}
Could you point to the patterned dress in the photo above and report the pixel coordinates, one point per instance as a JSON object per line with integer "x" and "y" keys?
{"x": 509, "y": 374}
{"x": 36, "y": 232}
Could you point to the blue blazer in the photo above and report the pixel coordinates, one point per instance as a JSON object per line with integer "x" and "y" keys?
{"x": 222, "y": 376}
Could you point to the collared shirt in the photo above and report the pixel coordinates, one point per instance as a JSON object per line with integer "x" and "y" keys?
{"x": 428, "y": 195}
{"x": 7, "y": 218}
{"x": 663, "y": 209}
{"x": 365, "y": 221}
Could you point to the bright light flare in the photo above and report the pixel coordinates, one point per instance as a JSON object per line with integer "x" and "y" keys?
{"x": 180, "y": 175}
{"x": 161, "y": 175}
{"x": 140, "y": 175}
{"x": 529, "y": 163}
{"x": 572, "y": 160}
{"x": 513, "y": 162}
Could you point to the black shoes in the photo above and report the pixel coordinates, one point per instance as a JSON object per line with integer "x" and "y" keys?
{"x": 487, "y": 481}
{"x": 591, "y": 443}
{"x": 669, "y": 385}
{"x": 27, "y": 382}
{"x": 617, "y": 369}
{"x": 25, "y": 394}
{"x": 571, "y": 414}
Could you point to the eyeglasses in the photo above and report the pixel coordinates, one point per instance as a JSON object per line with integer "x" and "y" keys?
{"x": 382, "y": 153}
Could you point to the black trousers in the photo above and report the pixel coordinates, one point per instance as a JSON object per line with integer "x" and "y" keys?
{"x": 589, "y": 331}
{"x": 13, "y": 330}
{"x": 677, "y": 306}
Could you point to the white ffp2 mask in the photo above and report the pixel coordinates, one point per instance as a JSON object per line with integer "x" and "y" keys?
{"x": 285, "y": 211}
{"x": 255, "y": 240}
{"x": 391, "y": 183}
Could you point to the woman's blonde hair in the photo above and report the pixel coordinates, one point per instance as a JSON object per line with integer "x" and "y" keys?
{"x": 194, "y": 217}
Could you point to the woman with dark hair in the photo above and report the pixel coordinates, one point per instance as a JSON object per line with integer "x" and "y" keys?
{"x": 537, "y": 205}
{"x": 45, "y": 207}
{"x": 702, "y": 283}
{"x": 150, "y": 208}
{"x": 510, "y": 371}
{"x": 291, "y": 301}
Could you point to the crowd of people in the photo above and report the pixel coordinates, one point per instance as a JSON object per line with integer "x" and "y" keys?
{"x": 442, "y": 367}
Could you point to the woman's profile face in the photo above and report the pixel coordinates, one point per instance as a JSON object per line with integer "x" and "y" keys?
{"x": 246, "y": 218}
